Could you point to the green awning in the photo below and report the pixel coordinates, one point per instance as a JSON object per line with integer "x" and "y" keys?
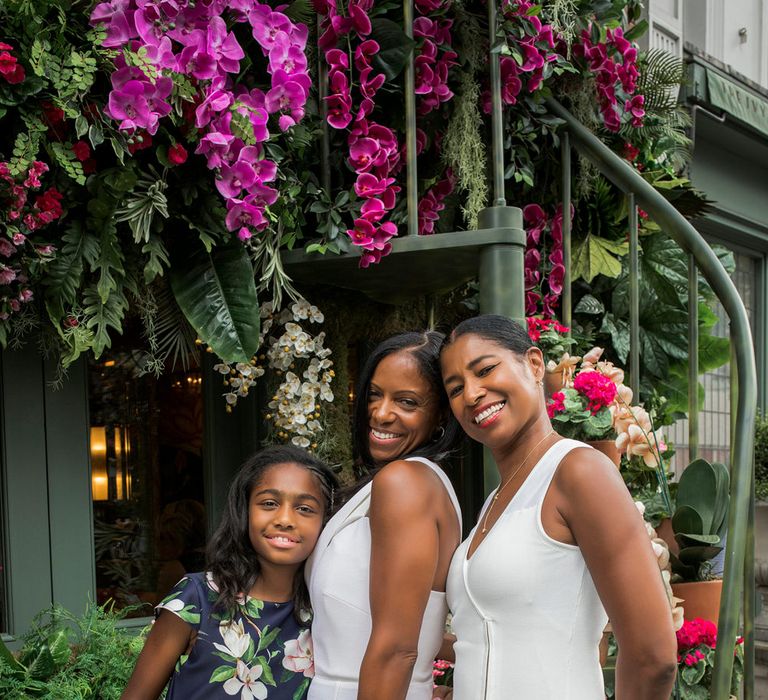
{"x": 738, "y": 102}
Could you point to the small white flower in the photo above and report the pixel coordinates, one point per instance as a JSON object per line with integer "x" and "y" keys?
{"x": 222, "y": 368}
{"x": 304, "y": 443}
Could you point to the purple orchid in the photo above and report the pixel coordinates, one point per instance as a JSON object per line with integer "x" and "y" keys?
{"x": 232, "y": 179}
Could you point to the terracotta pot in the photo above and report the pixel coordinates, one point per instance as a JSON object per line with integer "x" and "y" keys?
{"x": 700, "y": 599}
{"x": 553, "y": 382}
{"x": 608, "y": 448}
{"x": 665, "y": 531}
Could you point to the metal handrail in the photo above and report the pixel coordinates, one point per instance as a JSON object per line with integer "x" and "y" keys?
{"x": 685, "y": 235}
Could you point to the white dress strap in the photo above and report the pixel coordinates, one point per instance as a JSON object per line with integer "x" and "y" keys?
{"x": 446, "y": 483}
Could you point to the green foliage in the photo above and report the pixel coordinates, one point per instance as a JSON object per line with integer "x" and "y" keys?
{"x": 578, "y": 422}
{"x": 142, "y": 204}
{"x": 699, "y": 521}
{"x": 65, "y": 657}
{"x": 217, "y": 293}
{"x": 68, "y": 162}
{"x": 395, "y": 47}
{"x": 761, "y": 457}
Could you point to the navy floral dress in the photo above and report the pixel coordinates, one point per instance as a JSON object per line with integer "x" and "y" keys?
{"x": 260, "y": 653}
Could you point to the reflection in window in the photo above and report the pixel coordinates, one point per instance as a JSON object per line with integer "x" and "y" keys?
{"x": 146, "y": 480}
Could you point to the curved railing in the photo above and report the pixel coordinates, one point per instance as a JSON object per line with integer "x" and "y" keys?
{"x": 737, "y": 577}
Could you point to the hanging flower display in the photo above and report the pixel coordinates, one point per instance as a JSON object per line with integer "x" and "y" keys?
{"x": 185, "y": 51}
{"x": 285, "y": 346}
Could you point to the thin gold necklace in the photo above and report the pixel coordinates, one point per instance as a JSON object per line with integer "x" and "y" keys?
{"x": 514, "y": 474}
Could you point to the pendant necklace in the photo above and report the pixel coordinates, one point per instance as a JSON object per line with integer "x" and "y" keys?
{"x": 514, "y": 474}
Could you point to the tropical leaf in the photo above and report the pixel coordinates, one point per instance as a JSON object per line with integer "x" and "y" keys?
{"x": 395, "y": 47}
{"x": 174, "y": 337}
{"x": 597, "y": 256}
{"x": 216, "y": 292}
{"x": 103, "y": 314}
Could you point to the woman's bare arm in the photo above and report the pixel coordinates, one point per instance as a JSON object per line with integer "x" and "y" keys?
{"x": 596, "y": 506}
{"x": 404, "y": 559}
{"x": 168, "y": 640}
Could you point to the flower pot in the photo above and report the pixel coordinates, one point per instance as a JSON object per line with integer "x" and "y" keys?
{"x": 553, "y": 382}
{"x": 608, "y": 448}
{"x": 700, "y": 599}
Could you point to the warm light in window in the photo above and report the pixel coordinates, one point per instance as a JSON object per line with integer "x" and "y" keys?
{"x": 99, "y": 481}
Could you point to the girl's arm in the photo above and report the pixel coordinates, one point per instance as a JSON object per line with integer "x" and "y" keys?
{"x": 610, "y": 532}
{"x": 404, "y": 558}
{"x": 168, "y": 640}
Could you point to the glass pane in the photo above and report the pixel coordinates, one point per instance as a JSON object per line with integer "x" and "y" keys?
{"x": 715, "y": 416}
{"x": 146, "y": 478}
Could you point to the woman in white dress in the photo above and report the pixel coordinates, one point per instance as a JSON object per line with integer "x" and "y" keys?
{"x": 377, "y": 577}
{"x": 559, "y": 547}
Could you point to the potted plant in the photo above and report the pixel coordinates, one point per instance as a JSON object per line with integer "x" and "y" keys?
{"x": 582, "y": 411}
{"x": 696, "y": 641}
{"x": 699, "y": 522}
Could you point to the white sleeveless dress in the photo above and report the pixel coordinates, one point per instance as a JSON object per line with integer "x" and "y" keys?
{"x": 526, "y": 614}
{"x": 338, "y": 575}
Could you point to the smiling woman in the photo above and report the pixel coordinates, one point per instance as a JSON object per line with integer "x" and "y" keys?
{"x": 389, "y": 546}
{"x": 559, "y": 546}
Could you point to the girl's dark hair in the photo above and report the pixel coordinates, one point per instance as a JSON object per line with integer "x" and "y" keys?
{"x": 501, "y": 330}
{"x": 231, "y": 558}
{"x": 424, "y": 347}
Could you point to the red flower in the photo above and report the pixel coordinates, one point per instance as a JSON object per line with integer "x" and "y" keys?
{"x": 53, "y": 115}
{"x": 631, "y": 152}
{"x": 81, "y": 150}
{"x": 599, "y": 389}
{"x": 177, "y": 154}
{"x": 139, "y": 141}
{"x": 556, "y": 404}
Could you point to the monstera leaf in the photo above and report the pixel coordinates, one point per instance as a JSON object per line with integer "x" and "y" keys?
{"x": 395, "y": 47}
{"x": 216, "y": 292}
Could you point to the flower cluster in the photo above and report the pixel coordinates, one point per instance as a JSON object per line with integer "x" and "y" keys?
{"x": 544, "y": 269}
{"x": 614, "y": 65}
{"x": 10, "y": 69}
{"x": 374, "y": 154}
{"x": 696, "y": 642}
{"x": 550, "y": 336}
{"x": 193, "y": 40}
{"x": 434, "y": 56}
{"x": 294, "y": 408}
{"x": 599, "y": 389}
{"x": 23, "y": 215}
{"x": 433, "y": 202}
{"x": 531, "y": 44}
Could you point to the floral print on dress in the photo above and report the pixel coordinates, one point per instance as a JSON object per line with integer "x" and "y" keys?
{"x": 261, "y": 653}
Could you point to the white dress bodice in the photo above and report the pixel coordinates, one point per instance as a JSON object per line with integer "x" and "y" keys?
{"x": 338, "y": 576}
{"x": 526, "y": 614}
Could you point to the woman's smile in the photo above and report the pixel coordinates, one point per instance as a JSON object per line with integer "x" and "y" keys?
{"x": 401, "y": 408}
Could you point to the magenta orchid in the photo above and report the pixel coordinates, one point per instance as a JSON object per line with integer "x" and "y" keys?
{"x": 194, "y": 39}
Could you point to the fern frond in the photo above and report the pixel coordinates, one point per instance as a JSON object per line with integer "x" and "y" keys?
{"x": 174, "y": 337}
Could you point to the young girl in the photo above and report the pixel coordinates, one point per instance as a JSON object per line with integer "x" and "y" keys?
{"x": 242, "y": 627}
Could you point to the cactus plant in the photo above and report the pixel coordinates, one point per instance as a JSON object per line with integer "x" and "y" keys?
{"x": 699, "y": 521}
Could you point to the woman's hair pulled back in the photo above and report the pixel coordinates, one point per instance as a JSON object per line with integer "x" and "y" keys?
{"x": 501, "y": 330}
{"x": 231, "y": 558}
{"x": 424, "y": 347}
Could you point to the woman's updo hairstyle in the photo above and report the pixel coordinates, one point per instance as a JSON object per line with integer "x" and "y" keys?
{"x": 501, "y": 330}
{"x": 424, "y": 347}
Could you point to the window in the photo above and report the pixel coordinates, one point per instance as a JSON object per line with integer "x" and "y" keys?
{"x": 146, "y": 447}
{"x": 715, "y": 416}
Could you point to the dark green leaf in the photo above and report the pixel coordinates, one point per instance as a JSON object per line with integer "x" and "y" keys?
{"x": 216, "y": 292}
{"x": 395, "y": 47}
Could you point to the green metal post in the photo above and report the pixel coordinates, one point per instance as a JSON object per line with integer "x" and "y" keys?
{"x": 634, "y": 299}
{"x": 502, "y": 289}
{"x": 411, "y": 186}
{"x": 497, "y": 127}
{"x": 681, "y": 230}
{"x": 567, "y": 310}
{"x": 750, "y": 602}
{"x": 693, "y": 358}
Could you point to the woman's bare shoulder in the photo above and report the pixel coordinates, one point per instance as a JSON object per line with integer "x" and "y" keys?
{"x": 407, "y": 474}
